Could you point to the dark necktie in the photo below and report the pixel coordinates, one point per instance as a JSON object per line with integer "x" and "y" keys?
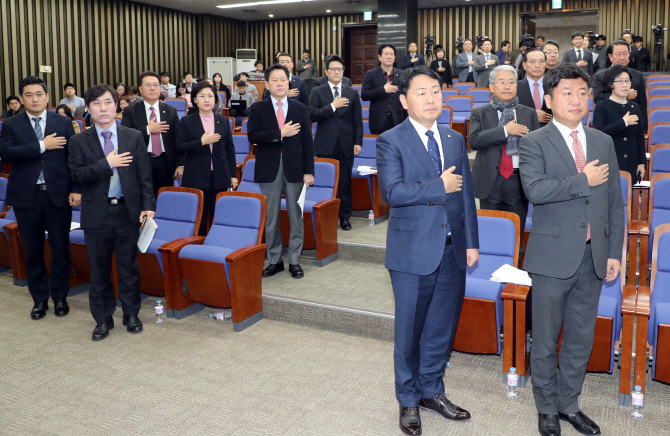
{"x": 434, "y": 153}
{"x": 579, "y": 55}
{"x": 40, "y": 137}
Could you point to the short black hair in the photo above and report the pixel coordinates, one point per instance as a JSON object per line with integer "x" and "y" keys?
{"x": 32, "y": 80}
{"x": 244, "y": 74}
{"x": 96, "y": 91}
{"x": 241, "y": 83}
{"x": 610, "y": 49}
{"x": 487, "y": 39}
{"x": 10, "y": 98}
{"x": 381, "y": 48}
{"x": 258, "y": 62}
{"x": 67, "y": 85}
{"x": 504, "y": 43}
{"x": 281, "y": 55}
{"x": 627, "y": 33}
{"x": 199, "y": 87}
{"x": 68, "y": 112}
{"x": 307, "y": 51}
{"x": 566, "y": 70}
{"x": 466, "y": 40}
{"x": 413, "y": 42}
{"x": 188, "y": 73}
{"x": 549, "y": 42}
{"x": 217, "y": 74}
{"x": 638, "y": 39}
{"x": 611, "y": 74}
{"x": 408, "y": 75}
{"x": 540, "y": 37}
{"x": 275, "y": 68}
{"x": 334, "y": 58}
{"x": 576, "y": 34}
{"x": 523, "y": 44}
{"x": 165, "y": 74}
{"x": 532, "y": 50}
{"x": 145, "y": 74}
{"x": 601, "y": 38}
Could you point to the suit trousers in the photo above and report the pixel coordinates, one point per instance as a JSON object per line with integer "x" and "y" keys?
{"x": 344, "y": 187}
{"x": 388, "y": 125}
{"x": 33, "y": 221}
{"x": 273, "y": 192}
{"x": 507, "y": 195}
{"x": 117, "y": 236}
{"x": 573, "y": 305}
{"x": 471, "y": 77}
{"x": 160, "y": 173}
{"x": 427, "y": 309}
{"x": 208, "y": 207}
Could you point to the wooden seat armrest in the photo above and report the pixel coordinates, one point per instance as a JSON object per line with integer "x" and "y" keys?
{"x": 642, "y": 307}
{"x": 628, "y": 301}
{"x": 522, "y": 293}
{"x": 325, "y": 203}
{"x": 508, "y": 291}
{"x": 3, "y": 214}
{"x": 11, "y": 227}
{"x": 244, "y": 251}
{"x": 178, "y": 244}
{"x": 636, "y": 227}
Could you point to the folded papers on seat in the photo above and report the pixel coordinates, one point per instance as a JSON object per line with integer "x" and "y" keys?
{"x": 509, "y": 274}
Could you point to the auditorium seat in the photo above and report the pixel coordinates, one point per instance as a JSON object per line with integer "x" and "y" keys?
{"x": 462, "y": 108}
{"x": 659, "y": 115}
{"x": 464, "y": 86}
{"x": 659, "y": 159}
{"x": 248, "y": 184}
{"x": 481, "y": 96}
{"x": 658, "y": 90}
{"x": 657, "y": 77}
{"x": 7, "y": 218}
{"x": 659, "y": 101}
{"x": 366, "y": 127}
{"x": 225, "y": 268}
{"x": 366, "y": 113}
{"x": 180, "y": 104}
{"x": 591, "y": 108}
{"x": 313, "y": 128}
{"x": 242, "y": 150}
{"x": 231, "y": 120}
{"x": 586, "y": 119}
{"x": 222, "y": 99}
{"x": 449, "y": 93}
{"x": 365, "y": 191}
{"x": 321, "y": 213}
{"x": 658, "y": 134}
{"x": 118, "y": 121}
{"x": 245, "y": 123}
{"x": 82, "y": 124}
{"x": 53, "y": 109}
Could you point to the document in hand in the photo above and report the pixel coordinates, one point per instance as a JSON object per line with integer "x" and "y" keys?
{"x": 509, "y": 274}
{"x": 365, "y": 170}
{"x": 301, "y": 199}
{"x": 147, "y": 235}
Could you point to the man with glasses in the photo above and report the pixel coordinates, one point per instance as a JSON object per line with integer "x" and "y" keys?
{"x": 495, "y": 130}
{"x": 551, "y": 51}
{"x": 336, "y": 109}
{"x": 297, "y": 86}
{"x": 157, "y": 122}
{"x": 529, "y": 90}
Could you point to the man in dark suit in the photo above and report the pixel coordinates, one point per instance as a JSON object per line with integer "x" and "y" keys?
{"x": 495, "y": 130}
{"x": 570, "y": 174}
{"x": 82, "y": 112}
{"x": 503, "y": 53}
{"x": 413, "y": 59}
{"x": 157, "y": 122}
{"x": 484, "y": 63}
{"x": 633, "y": 55}
{"x": 643, "y": 56}
{"x": 530, "y": 90}
{"x": 339, "y": 131}
{"x": 579, "y": 55}
{"x": 112, "y": 165}
{"x": 36, "y": 143}
{"x": 284, "y": 164}
{"x": 618, "y": 53}
{"x": 297, "y": 87}
{"x": 380, "y": 88}
{"x": 424, "y": 176}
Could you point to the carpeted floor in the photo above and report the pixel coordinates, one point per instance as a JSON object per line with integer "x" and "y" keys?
{"x": 197, "y": 377}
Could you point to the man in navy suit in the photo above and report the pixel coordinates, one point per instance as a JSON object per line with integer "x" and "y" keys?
{"x": 380, "y": 88}
{"x": 41, "y": 192}
{"x": 297, "y": 87}
{"x": 424, "y": 176}
{"x": 413, "y": 59}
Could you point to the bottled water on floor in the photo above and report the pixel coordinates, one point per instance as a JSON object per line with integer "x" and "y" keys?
{"x": 371, "y": 218}
{"x": 637, "y": 400}
{"x": 226, "y": 315}
{"x": 512, "y": 381}
{"x": 160, "y": 317}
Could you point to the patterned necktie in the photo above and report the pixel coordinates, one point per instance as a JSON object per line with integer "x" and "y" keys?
{"x": 487, "y": 58}
{"x": 434, "y": 153}
{"x": 280, "y": 115}
{"x": 115, "y": 181}
{"x": 155, "y": 137}
{"x": 336, "y": 94}
{"x": 580, "y": 163}
{"x": 579, "y": 55}
{"x": 40, "y": 137}
{"x": 536, "y": 96}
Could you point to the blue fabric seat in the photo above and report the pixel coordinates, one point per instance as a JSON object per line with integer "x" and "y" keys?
{"x": 480, "y": 96}
{"x": 660, "y": 213}
{"x": 248, "y": 184}
{"x": 178, "y": 103}
{"x": 242, "y": 147}
{"x": 660, "y": 162}
{"x": 445, "y": 117}
{"x": 659, "y": 301}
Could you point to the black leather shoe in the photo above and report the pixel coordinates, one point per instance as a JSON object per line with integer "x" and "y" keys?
{"x": 548, "y": 425}
{"x": 61, "y": 308}
{"x": 345, "y": 224}
{"x": 581, "y": 423}
{"x": 444, "y": 407}
{"x": 273, "y": 269}
{"x": 39, "y": 311}
{"x": 101, "y": 331}
{"x": 410, "y": 420}
{"x": 133, "y": 324}
{"x": 296, "y": 271}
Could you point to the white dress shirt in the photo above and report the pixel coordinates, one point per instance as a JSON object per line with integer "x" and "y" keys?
{"x": 515, "y": 159}
{"x": 566, "y": 132}
{"x": 147, "y": 108}
{"x": 424, "y": 138}
{"x": 332, "y": 91}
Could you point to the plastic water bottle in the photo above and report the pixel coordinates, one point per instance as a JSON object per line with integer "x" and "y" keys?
{"x": 226, "y": 315}
{"x": 512, "y": 381}
{"x": 637, "y": 398}
{"x": 371, "y": 218}
{"x": 160, "y": 317}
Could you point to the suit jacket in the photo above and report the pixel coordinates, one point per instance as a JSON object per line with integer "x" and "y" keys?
{"x": 200, "y": 158}
{"x": 306, "y": 73}
{"x": 20, "y": 147}
{"x": 483, "y": 71}
{"x": 634, "y": 58}
{"x": 407, "y": 61}
{"x": 563, "y": 204}
{"x": 296, "y": 152}
{"x": 319, "y": 81}
{"x": 135, "y": 117}
{"x": 643, "y": 59}
{"x": 90, "y": 168}
{"x": 296, "y": 82}
{"x": 462, "y": 66}
{"x": 381, "y": 101}
{"x": 501, "y": 56}
{"x": 444, "y": 75}
{"x": 420, "y": 208}
{"x": 571, "y": 56}
{"x": 345, "y": 125}
{"x": 638, "y": 84}
{"x": 525, "y": 95}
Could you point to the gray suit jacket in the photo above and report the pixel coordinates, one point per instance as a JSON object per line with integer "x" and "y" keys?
{"x": 571, "y": 56}
{"x": 488, "y": 138}
{"x": 563, "y": 204}
{"x": 462, "y": 66}
{"x": 483, "y": 71}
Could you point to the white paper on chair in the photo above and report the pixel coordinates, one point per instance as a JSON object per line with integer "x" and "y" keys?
{"x": 147, "y": 235}
{"x": 643, "y": 184}
{"x": 509, "y": 274}
{"x": 301, "y": 199}
{"x": 74, "y": 226}
{"x": 365, "y": 170}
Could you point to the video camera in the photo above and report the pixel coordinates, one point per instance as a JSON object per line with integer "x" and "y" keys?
{"x": 527, "y": 40}
{"x": 429, "y": 42}
{"x": 480, "y": 40}
{"x": 592, "y": 37}
{"x": 459, "y": 44}
{"x": 658, "y": 30}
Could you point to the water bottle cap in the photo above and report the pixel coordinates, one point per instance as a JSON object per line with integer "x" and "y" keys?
{"x": 638, "y": 388}
{"x": 512, "y": 369}
{"x": 158, "y": 302}
{"x": 211, "y": 315}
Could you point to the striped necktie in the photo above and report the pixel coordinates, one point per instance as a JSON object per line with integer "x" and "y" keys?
{"x": 40, "y": 137}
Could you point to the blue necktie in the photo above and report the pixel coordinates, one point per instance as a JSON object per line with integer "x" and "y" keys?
{"x": 434, "y": 153}
{"x": 115, "y": 182}
{"x": 40, "y": 137}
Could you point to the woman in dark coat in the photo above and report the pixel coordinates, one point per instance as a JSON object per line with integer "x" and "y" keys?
{"x": 441, "y": 66}
{"x": 619, "y": 118}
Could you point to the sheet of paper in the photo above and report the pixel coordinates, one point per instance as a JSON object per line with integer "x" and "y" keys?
{"x": 643, "y": 184}
{"x": 147, "y": 235}
{"x": 74, "y": 226}
{"x": 648, "y": 155}
{"x": 509, "y": 274}
{"x": 595, "y": 56}
{"x": 365, "y": 170}
{"x": 301, "y": 199}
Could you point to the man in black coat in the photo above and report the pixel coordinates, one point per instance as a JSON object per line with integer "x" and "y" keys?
{"x": 284, "y": 164}
{"x": 619, "y": 53}
{"x": 157, "y": 122}
{"x": 112, "y": 166}
{"x": 40, "y": 189}
{"x": 336, "y": 109}
{"x": 643, "y": 55}
{"x": 413, "y": 59}
{"x": 529, "y": 90}
{"x": 380, "y": 88}
{"x": 297, "y": 86}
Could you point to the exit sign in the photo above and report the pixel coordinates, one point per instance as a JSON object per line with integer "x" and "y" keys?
{"x": 367, "y": 16}
{"x": 556, "y": 4}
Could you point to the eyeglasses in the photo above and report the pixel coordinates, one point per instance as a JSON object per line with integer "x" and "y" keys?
{"x": 623, "y": 81}
{"x": 336, "y": 70}
{"x": 507, "y": 83}
{"x": 151, "y": 85}
{"x": 551, "y": 52}
{"x": 205, "y": 96}
{"x": 536, "y": 61}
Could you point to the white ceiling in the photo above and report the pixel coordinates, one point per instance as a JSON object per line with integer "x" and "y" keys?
{"x": 309, "y": 8}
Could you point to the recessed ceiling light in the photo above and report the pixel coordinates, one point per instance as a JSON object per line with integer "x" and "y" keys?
{"x": 271, "y": 16}
{"x": 328, "y": 11}
{"x": 262, "y": 2}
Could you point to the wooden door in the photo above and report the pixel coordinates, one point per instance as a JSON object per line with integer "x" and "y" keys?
{"x": 363, "y": 49}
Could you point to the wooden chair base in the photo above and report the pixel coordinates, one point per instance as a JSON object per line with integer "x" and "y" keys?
{"x": 477, "y": 330}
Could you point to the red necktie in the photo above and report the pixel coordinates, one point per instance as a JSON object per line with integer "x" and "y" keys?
{"x": 280, "y": 115}
{"x": 155, "y": 137}
{"x": 536, "y": 96}
{"x": 506, "y": 167}
{"x": 580, "y": 163}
